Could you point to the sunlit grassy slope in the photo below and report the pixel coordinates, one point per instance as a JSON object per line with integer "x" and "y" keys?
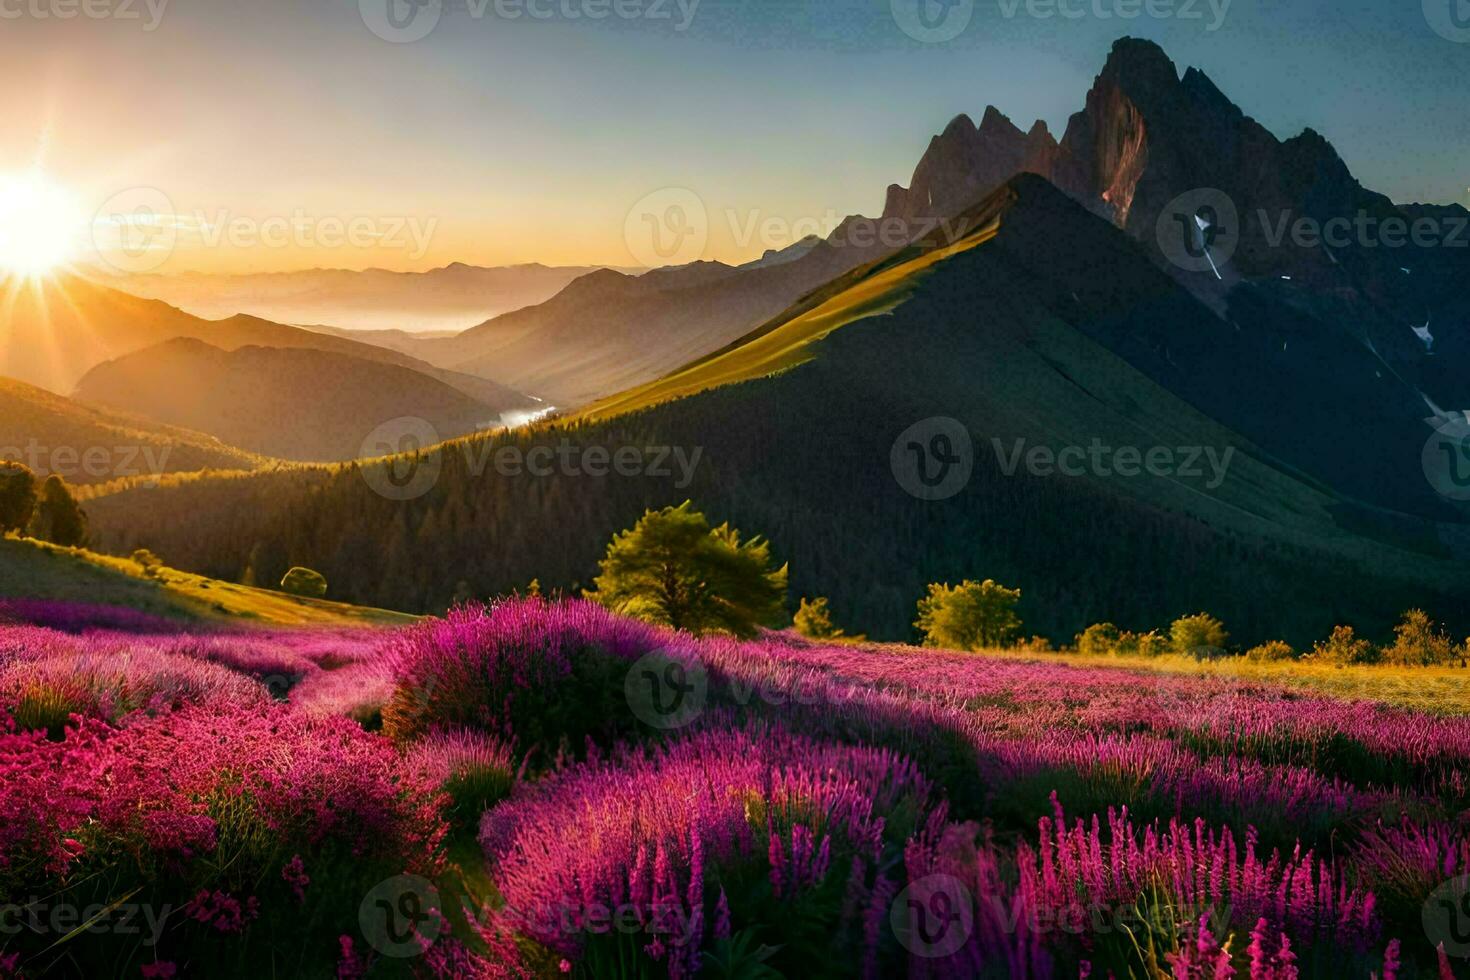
{"x": 36, "y": 570}
{"x": 788, "y": 343}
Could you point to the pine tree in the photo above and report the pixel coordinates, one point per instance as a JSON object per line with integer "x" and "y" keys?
{"x": 58, "y": 519}
{"x": 17, "y": 497}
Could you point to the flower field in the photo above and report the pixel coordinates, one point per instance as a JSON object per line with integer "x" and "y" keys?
{"x": 543, "y": 789}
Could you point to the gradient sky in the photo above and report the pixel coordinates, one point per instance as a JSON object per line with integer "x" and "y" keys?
{"x": 530, "y": 140}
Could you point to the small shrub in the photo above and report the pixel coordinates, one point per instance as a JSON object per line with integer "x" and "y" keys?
{"x": 1345, "y": 647}
{"x": 1098, "y": 640}
{"x": 814, "y": 620}
{"x": 150, "y": 563}
{"x": 969, "y": 616}
{"x": 1201, "y": 636}
{"x": 1150, "y": 644}
{"x": 1419, "y": 642}
{"x": 305, "y": 583}
{"x": 1271, "y": 650}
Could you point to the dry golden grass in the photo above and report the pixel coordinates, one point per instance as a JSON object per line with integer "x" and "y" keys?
{"x": 1444, "y": 690}
{"x": 35, "y": 569}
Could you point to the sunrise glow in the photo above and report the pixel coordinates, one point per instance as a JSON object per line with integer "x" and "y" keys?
{"x": 39, "y": 223}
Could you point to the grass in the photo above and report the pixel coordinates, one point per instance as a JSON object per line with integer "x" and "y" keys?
{"x": 1440, "y": 690}
{"x": 38, "y": 570}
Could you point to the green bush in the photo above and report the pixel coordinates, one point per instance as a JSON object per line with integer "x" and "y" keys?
{"x": 1345, "y": 647}
{"x": 1419, "y": 642}
{"x": 1201, "y": 636}
{"x": 1098, "y": 640}
{"x": 1271, "y": 650}
{"x": 969, "y": 616}
{"x": 305, "y": 583}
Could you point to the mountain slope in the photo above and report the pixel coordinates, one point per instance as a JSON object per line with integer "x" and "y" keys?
{"x": 291, "y": 404}
{"x": 84, "y": 444}
{"x": 54, "y": 332}
{"x": 1022, "y": 332}
{"x": 608, "y": 331}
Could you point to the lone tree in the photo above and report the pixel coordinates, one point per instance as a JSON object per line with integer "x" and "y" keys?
{"x": 304, "y": 582}
{"x": 58, "y": 518}
{"x": 673, "y": 569}
{"x": 969, "y": 616}
{"x": 1419, "y": 642}
{"x": 814, "y": 620}
{"x": 17, "y": 497}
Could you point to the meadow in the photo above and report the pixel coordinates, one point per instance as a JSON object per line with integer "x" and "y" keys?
{"x": 541, "y": 788}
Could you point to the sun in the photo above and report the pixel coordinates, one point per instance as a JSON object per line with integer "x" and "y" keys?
{"x": 39, "y": 225}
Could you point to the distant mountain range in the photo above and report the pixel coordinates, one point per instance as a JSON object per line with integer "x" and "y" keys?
{"x": 296, "y": 404}
{"x": 451, "y": 298}
{"x": 291, "y": 393}
{"x": 84, "y": 444}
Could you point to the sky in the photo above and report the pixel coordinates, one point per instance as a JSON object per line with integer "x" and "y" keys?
{"x": 266, "y": 135}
